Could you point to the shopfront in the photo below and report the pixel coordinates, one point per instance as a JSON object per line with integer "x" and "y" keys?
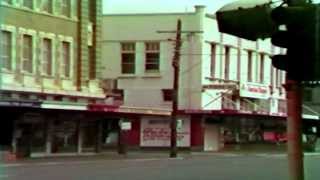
{"x": 156, "y": 131}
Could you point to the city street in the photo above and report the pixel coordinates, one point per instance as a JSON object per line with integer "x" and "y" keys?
{"x": 204, "y": 167}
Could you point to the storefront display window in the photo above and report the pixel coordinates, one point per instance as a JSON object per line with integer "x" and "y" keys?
{"x": 65, "y": 136}
{"x": 253, "y": 131}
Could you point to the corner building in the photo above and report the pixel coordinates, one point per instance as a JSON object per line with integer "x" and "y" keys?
{"x": 229, "y": 92}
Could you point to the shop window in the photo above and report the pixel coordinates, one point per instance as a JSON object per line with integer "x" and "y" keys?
{"x": 27, "y": 54}
{"x": 152, "y": 56}
{"x": 167, "y": 94}
{"x": 47, "y": 57}
{"x": 6, "y": 49}
{"x": 127, "y": 58}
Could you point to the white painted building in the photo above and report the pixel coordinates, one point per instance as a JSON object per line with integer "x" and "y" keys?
{"x": 221, "y": 76}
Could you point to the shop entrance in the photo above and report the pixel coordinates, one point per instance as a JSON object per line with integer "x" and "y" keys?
{"x": 110, "y": 134}
{"x": 6, "y": 129}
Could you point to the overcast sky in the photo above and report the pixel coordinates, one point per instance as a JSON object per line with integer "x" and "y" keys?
{"x": 149, "y": 6}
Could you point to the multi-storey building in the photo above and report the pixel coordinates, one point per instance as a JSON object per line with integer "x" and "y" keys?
{"x": 50, "y": 59}
{"x": 229, "y": 92}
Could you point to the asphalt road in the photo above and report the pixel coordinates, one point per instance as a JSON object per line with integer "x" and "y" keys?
{"x": 233, "y": 167}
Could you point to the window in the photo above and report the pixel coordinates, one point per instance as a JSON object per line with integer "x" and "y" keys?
{"x": 279, "y": 78}
{"x": 28, "y": 3}
{"x": 27, "y": 54}
{"x": 239, "y": 64}
{"x": 152, "y": 57}
{"x": 128, "y": 58}
{"x": 65, "y": 7}
{"x": 261, "y": 76}
{"x": 6, "y": 47}
{"x": 66, "y": 59}
{"x": 118, "y": 96}
{"x": 47, "y": 57}
{"x": 272, "y": 76}
{"x": 92, "y": 62}
{"x": 249, "y": 66}
{"x": 213, "y": 60}
{"x": 227, "y": 63}
{"x": 7, "y": 1}
{"x": 307, "y": 95}
{"x": 46, "y": 5}
{"x": 167, "y": 94}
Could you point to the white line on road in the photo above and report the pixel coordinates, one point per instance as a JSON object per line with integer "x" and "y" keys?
{"x": 83, "y": 162}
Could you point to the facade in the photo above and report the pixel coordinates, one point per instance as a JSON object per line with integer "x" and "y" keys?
{"x": 229, "y": 92}
{"x": 50, "y": 70}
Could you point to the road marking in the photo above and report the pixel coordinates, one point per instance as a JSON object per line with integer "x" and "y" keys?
{"x": 84, "y": 162}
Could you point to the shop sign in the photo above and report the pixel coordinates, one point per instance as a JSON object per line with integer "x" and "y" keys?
{"x": 254, "y": 90}
{"x": 65, "y": 106}
{"x": 125, "y": 125}
{"x": 34, "y": 104}
{"x": 155, "y": 132}
{"x": 220, "y": 86}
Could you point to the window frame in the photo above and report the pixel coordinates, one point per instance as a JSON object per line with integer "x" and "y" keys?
{"x": 227, "y": 59}
{"x": 44, "y": 55}
{"x": 249, "y": 65}
{"x": 32, "y": 55}
{"x": 9, "y": 66}
{"x": 155, "y": 51}
{"x": 65, "y": 6}
{"x": 25, "y": 5}
{"x": 261, "y": 67}
{"x": 167, "y": 97}
{"x": 128, "y": 51}
{"x": 63, "y": 64}
{"x": 213, "y": 59}
{"x": 49, "y": 6}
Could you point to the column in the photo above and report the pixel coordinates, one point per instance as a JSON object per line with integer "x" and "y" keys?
{"x": 49, "y": 126}
{"x": 80, "y": 136}
{"x": 98, "y": 136}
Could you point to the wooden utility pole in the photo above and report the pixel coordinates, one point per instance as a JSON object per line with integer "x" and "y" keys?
{"x": 175, "y": 65}
{"x": 176, "y": 70}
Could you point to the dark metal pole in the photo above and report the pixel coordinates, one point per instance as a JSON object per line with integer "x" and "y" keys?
{"x": 175, "y": 64}
{"x": 294, "y": 130}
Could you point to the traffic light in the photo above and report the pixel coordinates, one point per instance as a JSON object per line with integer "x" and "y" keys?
{"x": 301, "y": 38}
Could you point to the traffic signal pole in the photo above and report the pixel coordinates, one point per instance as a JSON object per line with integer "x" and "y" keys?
{"x": 294, "y": 129}
{"x": 294, "y": 121}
